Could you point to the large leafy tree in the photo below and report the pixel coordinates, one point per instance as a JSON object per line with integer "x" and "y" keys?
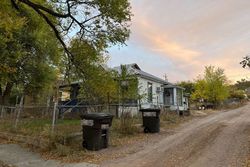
{"x": 99, "y": 22}
{"x": 97, "y": 81}
{"x": 34, "y": 26}
{"x": 212, "y": 87}
{"x": 28, "y": 52}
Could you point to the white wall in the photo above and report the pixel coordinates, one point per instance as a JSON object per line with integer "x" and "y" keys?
{"x": 143, "y": 90}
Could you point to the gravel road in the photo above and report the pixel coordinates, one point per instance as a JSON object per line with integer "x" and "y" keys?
{"x": 218, "y": 140}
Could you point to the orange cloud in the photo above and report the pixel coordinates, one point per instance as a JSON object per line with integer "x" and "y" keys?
{"x": 158, "y": 41}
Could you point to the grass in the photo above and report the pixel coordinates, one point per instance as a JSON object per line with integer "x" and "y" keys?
{"x": 67, "y": 148}
{"x": 38, "y": 126}
{"x": 126, "y": 126}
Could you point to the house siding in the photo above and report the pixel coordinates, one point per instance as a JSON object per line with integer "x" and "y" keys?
{"x": 157, "y": 97}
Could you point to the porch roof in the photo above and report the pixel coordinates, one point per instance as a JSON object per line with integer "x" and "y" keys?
{"x": 173, "y": 86}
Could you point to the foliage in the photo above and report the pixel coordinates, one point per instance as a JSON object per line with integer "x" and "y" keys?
{"x": 126, "y": 125}
{"x": 245, "y": 62}
{"x": 127, "y": 84}
{"x": 212, "y": 87}
{"x": 239, "y": 89}
{"x": 31, "y": 31}
{"x": 127, "y": 93}
{"x": 242, "y": 84}
{"x": 29, "y": 53}
{"x": 238, "y": 94}
{"x": 188, "y": 85}
{"x": 97, "y": 81}
{"x": 200, "y": 90}
{"x": 100, "y": 23}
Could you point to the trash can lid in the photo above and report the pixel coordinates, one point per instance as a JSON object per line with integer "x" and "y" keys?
{"x": 150, "y": 110}
{"x": 96, "y": 116}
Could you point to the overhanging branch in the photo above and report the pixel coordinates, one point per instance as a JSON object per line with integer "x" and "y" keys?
{"x": 40, "y": 7}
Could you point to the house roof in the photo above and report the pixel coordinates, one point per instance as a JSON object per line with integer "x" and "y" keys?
{"x": 136, "y": 70}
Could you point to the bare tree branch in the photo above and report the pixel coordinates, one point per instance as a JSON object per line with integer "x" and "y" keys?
{"x": 55, "y": 31}
{"x": 13, "y": 2}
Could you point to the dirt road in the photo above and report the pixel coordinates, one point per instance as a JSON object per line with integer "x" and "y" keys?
{"x": 219, "y": 140}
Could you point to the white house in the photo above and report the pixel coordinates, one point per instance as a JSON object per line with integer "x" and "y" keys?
{"x": 156, "y": 92}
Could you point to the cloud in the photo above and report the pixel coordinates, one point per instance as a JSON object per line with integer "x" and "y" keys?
{"x": 157, "y": 41}
{"x": 184, "y": 36}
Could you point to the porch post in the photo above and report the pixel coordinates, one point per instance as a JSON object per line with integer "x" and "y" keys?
{"x": 174, "y": 97}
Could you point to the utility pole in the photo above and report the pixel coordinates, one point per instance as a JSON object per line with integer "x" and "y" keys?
{"x": 165, "y": 77}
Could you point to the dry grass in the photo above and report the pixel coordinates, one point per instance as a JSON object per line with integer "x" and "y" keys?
{"x": 126, "y": 126}
{"x": 2, "y": 164}
{"x": 171, "y": 119}
{"x": 62, "y": 146}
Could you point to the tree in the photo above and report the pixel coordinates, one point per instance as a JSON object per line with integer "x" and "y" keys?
{"x": 200, "y": 91}
{"x": 28, "y": 53}
{"x": 127, "y": 93}
{"x": 32, "y": 29}
{"x": 97, "y": 81}
{"x": 213, "y": 86}
{"x": 238, "y": 94}
{"x": 128, "y": 84}
{"x": 188, "y": 85}
{"x": 245, "y": 62}
{"x": 101, "y": 23}
{"x": 97, "y": 23}
{"x": 243, "y": 84}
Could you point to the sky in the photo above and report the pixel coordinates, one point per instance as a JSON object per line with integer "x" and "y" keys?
{"x": 180, "y": 37}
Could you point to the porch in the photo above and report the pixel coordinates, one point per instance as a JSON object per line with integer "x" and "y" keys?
{"x": 173, "y": 98}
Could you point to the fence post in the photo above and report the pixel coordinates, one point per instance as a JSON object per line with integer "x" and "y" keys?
{"x": 108, "y": 102}
{"x": 19, "y": 112}
{"x": 117, "y": 111}
{"x": 54, "y": 117}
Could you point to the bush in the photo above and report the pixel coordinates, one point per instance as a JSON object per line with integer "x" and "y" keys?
{"x": 126, "y": 125}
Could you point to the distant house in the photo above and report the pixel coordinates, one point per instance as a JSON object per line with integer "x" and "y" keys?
{"x": 156, "y": 92}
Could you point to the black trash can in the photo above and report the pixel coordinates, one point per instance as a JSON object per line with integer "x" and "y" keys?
{"x": 151, "y": 120}
{"x": 95, "y": 128}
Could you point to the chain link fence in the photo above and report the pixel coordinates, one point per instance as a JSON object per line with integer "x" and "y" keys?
{"x": 54, "y": 118}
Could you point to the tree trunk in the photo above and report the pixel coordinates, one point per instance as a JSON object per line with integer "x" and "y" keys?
{"x": 4, "y": 97}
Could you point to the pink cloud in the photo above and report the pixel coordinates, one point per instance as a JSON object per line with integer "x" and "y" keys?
{"x": 193, "y": 34}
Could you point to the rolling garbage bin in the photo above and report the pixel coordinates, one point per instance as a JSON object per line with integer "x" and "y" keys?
{"x": 151, "y": 120}
{"x": 95, "y": 128}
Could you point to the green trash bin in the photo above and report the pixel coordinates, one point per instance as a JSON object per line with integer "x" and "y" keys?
{"x": 95, "y": 128}
{"x": 151, "y": 120}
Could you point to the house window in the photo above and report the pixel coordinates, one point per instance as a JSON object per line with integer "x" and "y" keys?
{"x": 179, "y": 97}
{"x": 150, "y": 92}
